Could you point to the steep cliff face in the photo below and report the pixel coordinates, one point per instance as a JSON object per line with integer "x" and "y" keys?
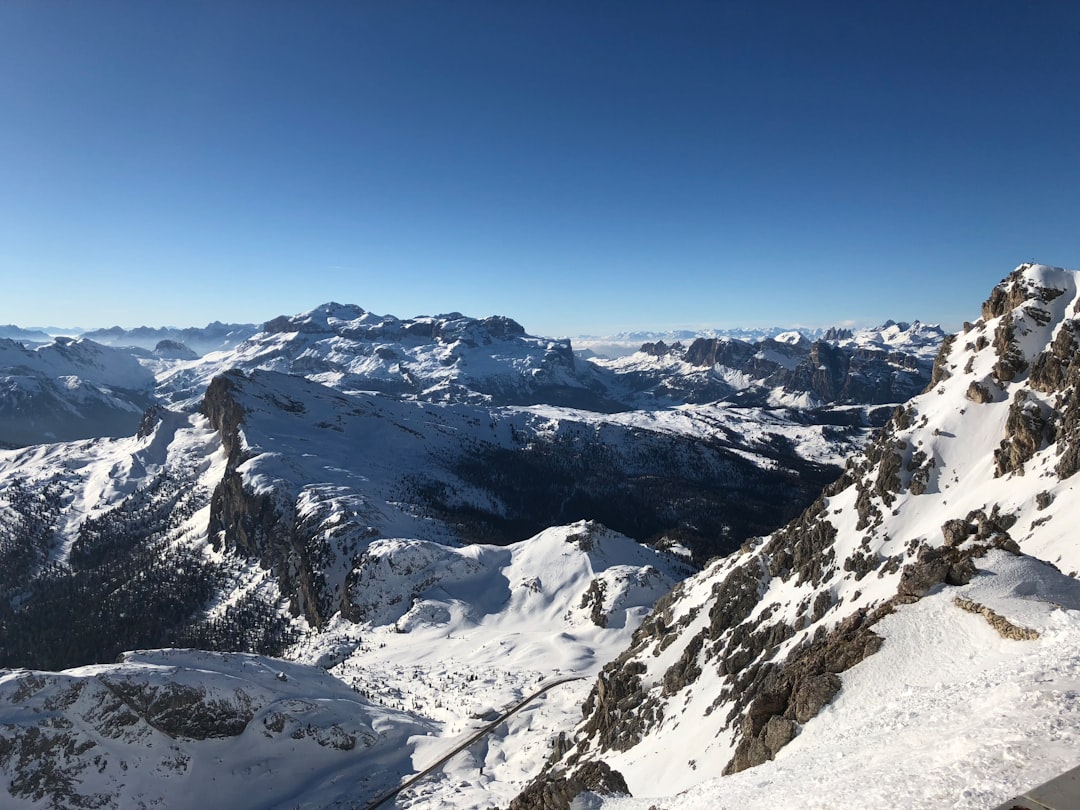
{"x": 749, "y": 651}
{"x": 885, "y": 365}
{"x": 258, "y": 524}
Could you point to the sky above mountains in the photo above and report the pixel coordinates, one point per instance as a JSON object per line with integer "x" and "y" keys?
{"x": 583, "y": 167}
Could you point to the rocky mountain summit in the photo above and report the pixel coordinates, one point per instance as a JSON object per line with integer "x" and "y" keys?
{"x": 969, "y": 483}
{"x": 444, "y": 358}
{"x": 885, "y": 365}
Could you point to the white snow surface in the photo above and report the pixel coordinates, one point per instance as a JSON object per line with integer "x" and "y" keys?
{"x": 125, "y": 735}
{"x": 947, "y": 714}
{"x": 454, "y": 634}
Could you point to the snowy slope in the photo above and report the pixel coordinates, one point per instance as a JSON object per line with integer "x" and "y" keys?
{"x": 189, "y": 729}
{"x": 947, "y": 714}
{"x": 453, "y": 633}
{"x": 749, "y": 655}
{"x": 69, "y": 389}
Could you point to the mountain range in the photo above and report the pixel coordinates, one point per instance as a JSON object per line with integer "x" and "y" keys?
{"x": 749, "y": 573}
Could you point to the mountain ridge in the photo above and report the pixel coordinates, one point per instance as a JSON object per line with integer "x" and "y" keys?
{"x": 749, "y": 652}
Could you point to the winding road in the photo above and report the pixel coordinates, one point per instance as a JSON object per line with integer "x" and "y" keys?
{"x": 476, "y": 735}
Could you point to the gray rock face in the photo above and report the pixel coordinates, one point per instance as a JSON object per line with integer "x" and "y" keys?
{"x": 1027, "y": 431}
{"x": 834, "y": 374}
{"x": 556, "y": 792}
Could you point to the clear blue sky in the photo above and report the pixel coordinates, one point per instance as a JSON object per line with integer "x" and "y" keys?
{"x": 580, "y": 166}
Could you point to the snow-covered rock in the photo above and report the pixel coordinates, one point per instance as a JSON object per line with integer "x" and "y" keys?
{"x": 880, "y": 366}
{"x": 190, "y": 729}
{"x": 69, "y": 389}
{"x": 445, "y": 358}
{"x": 816, "y": 643}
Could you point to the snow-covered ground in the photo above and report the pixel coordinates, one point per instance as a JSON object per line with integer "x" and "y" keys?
{"x": 455, "y": 635}
{"x": 188, "y": 730}
{"x": 947, "y": 714}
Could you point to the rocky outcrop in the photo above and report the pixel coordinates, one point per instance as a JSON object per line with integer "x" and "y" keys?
{"x": 1027, "y": 430}
{"x": 558, "y": 791}
{"x": 258, "y": 524}
{"x": 180, "y": 710}
{"x": 1010, "y": 360}
{"x": 707, "y": 352}
{"x": 941, "y": 362}
{"x": 833, "y": 370}
{"x": 792, "y": 693}
{"x": 1052, "y": 370}
{"x": 661, "y": 349}
{"x": 225, "y": 413}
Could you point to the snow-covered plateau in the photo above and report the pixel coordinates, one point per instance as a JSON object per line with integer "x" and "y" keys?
{"x": 344, "y": 544}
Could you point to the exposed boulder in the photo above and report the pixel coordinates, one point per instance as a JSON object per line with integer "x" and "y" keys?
{"x": 979, "y": 393}
{"x": 556, "y": 791}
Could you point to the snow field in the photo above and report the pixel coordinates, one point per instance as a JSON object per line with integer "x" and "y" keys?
{"x": 947, "y": 714}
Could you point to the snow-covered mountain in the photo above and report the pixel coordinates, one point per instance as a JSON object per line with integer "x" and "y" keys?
{"x": 491, "y": 361}
{"x": 898, "y": 336}
{"x": 381, "y": 499}
{"x": 885, "y": 365}
{"x": 214, "y": 337}
{"x": 446, "y": 358}
{"x": 621, "y": 344}
{"x": 190, "y": 729}
{"x": 29, "y": 336}
{"x": 913, "y": 636}
{"x": 69, "y": 389}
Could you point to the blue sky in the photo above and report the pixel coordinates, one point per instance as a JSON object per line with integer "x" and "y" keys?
{"x": 583, "y": 167}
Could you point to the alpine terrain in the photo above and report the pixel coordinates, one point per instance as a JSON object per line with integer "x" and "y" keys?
{"x": 911, "y": 640}
{"x": 331, "y": 550}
